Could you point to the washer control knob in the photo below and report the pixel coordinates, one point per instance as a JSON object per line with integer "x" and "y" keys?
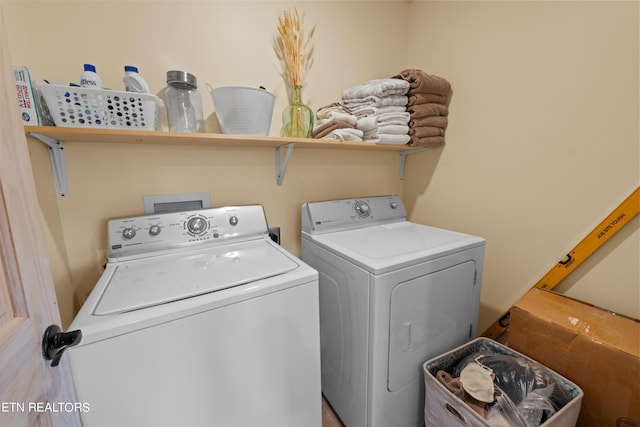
{"x": 362, "y": 209}
{"x": 393, "y": 205}
{"x": 233, "y": 220}
{"x": 154, "y": 230}
{"x": 197, "y": 225}
{"x": 129, "y": 233}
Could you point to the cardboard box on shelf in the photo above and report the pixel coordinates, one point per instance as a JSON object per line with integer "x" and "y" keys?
{"x": 596, "y": 349}
{"x": 26, "y": 96}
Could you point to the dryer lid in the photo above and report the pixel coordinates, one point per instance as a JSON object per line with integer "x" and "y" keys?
{"x": 162, "y": 279}
{"x": 382, "y": 248}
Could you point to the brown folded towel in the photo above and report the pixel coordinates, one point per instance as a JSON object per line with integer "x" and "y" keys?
{"x": 435, "y": 121}
{"x": 326, "y": 128}
{"x": 419, "y": 81}
{"x": 424, "y": 110}
{"x": 425, "y": 98}
{"x": 427, "y": 141}
{"x": 425, "y": 131}
{"x": 452, "y": 384}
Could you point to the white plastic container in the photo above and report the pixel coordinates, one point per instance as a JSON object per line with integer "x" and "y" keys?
{"x": 243, "y": 110}
{"x": 132, "y": 80}
{"x": 99, "y": 109}
{"x": 89, "y": 78}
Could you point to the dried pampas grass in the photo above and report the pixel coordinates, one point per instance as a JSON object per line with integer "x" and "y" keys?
{"x": 293, "y": 48}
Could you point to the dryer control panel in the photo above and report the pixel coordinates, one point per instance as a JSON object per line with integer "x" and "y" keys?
{"x": 151, "y": 233}
{"x": 346, "y": 214}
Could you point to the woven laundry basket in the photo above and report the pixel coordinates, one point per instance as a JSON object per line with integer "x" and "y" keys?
{"x": 443, "y": 408}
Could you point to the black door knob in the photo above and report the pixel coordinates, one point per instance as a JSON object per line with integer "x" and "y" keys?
{"x": 55, "y": 342}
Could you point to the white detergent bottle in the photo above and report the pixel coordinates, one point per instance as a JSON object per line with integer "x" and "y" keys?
{"x": 90, "y": 78}
{"x": 132, "y": 80}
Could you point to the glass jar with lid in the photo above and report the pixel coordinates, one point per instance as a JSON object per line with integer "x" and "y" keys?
{"x": 184, "y": 105}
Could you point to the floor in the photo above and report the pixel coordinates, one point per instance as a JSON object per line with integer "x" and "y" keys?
{"x": 329, "y": 417}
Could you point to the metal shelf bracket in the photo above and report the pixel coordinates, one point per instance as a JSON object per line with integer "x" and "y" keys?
{"x": 280, "y": 170}
{"x": 56, "y": 156}
{"x": 404, "y": 154}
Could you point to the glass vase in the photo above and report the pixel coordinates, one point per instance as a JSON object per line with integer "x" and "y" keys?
{"x": 297, "y": 118}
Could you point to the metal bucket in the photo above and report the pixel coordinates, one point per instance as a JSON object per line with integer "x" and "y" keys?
{"x": 243, "y": 110}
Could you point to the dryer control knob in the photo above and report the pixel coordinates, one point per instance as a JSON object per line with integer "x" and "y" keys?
{"x": 393, "y": 205}
{"x": 233, "y": 220}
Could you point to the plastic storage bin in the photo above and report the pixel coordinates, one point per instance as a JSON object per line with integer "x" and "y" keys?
{"x": 243, "y": 110}
{"x": 102, "y": 109}
{"x": 443, "y": 408}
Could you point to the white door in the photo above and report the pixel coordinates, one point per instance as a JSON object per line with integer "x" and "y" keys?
{"x": 32, "y": 393}
{"x": 429, "y": 315}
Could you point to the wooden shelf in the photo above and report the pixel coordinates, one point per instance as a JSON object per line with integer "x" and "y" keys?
{"x": 212, "y": 139}
{"x": 55, "y": 137}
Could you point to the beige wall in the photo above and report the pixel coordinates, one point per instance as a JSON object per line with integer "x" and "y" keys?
{"x": 542, "y": 141}
{"x": 110, "y": 180}
{"x": 223, "y": 43}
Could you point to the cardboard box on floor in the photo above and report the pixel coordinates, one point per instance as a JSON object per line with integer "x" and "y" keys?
{"x": 596, "y": 349}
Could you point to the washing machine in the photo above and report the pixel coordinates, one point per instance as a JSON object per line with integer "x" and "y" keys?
{"x": 393, "y": 294}
{"x": 199, "y": 319}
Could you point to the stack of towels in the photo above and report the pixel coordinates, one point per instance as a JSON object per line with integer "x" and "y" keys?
{"x": 428, "y": 96}
{"x": 380, "y": 109}
{"x": 335, "y": 121}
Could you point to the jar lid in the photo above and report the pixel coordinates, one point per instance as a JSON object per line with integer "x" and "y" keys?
{"x": 181, "y": 78}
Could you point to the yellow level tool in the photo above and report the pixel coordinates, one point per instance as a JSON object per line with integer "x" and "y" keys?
{"x": 603, "y": 232}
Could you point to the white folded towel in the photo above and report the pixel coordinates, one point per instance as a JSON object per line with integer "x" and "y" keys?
{"x": 345, "y": 134}
{"x": 364, "y": 111}
{"x": 367, "y": 123}
{"x": 378, "y": 87}
{"x": 385, "y": 130}
{"x": 371, "y": 122}
{"x": 397, "y": 118}
{"x": 336, "y": 106}
{"x": 377, "y": 101}
{"x": 392, "y": 139}
{"x": 393, "y": 130}
{"x": 335, "y": 115}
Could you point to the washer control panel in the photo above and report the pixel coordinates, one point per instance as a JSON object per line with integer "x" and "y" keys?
{"x": 339, "y": 215}
{"x": 151, "y": 233}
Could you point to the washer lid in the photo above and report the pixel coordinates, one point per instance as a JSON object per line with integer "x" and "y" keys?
{"x": 161, "y": 279}
{"x": 382, "y": 248}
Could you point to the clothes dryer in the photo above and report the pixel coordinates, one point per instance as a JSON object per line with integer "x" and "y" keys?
{"x": 199, "y": 319}
{"x": 393, "y": 294}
